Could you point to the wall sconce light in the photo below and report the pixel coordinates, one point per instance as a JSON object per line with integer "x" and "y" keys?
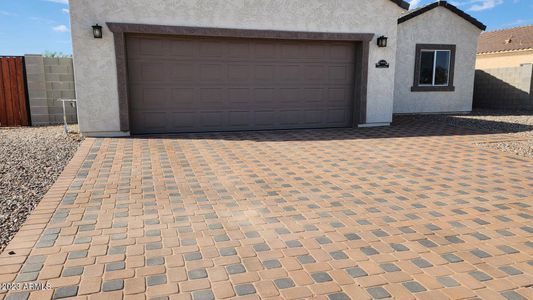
{"x": 382, "y": 41}
{"x": 97, "y": 31}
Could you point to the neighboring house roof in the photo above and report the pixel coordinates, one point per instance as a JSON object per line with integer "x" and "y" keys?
{"x": 401, "y": 4}
{"x": 514, "y": 39}
{"x": 416, "y": 12}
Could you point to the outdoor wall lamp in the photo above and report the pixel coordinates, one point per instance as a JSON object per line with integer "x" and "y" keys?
{"x": 97, "y": 31}
{"x": 382, "y": 41}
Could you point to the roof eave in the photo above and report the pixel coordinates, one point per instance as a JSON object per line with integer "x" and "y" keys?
{"x": 403, "y": 4}
{"x": 505, "y": 51}
{"x": 452, "y": 8}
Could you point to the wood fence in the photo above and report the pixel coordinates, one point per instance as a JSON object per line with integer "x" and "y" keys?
{"x": 13, "y": 93}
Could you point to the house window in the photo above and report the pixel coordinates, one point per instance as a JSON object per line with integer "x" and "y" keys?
{"x": 434, "y": 68}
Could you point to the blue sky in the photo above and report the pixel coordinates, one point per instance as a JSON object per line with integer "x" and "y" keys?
{"x": 35, "y": 26}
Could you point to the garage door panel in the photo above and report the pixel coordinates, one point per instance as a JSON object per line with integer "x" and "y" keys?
{"x": 265, "y": 118}
{"x": 182, "y": 121}
{"x": 265, "y": 73}
{"x": 315, "y": 73}
{"x": 290, "y": 117}
{"x": 290, "y": 97}
{"x": 265, "y": 50}
{"x": 155, "y": 98}
{"x": 264, "y": 97}
{"x": 210, "y": 48}
{"x": 182, "y": 48}
{"x": 313, "y": 96}
{"x": 211, "y": 98}
{"x": 314, "y": 117}
{"x": 213, "y": 72}
{"x": 291, "y": 50}
{"x": 136, "y": 96}
{"x": 239, "y": 50}
{"x": 316, "y": 51}
{"x": 154, "y": 72}
{"x": 134, "y": 71}
{"x": 338, "y": 97}
{"x": 338, "y": 74}
{"x": 182, "y": 71}
{"x": 189, "y": 84}
{"x": 338, "y": 52}
{"x": 238, "y": 73}
{"x": 150, "y": 121}
{"x": 183, "y": 98}
{"x": 239, "y": 119}
{"x": 337, "y": 116}
{"x": 239, "y": 98}
{"x": 211, "y": 119}
{"x": 290, "y": 73}
{"x": 153, "y": 47}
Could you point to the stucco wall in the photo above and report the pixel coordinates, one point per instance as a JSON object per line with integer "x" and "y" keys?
{"x": 504, "y": 60}
{"x": 438, "y": 26}
{"x": 94, "y": 60}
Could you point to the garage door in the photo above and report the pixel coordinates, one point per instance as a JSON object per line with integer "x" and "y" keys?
{"x": 193, "y": 84}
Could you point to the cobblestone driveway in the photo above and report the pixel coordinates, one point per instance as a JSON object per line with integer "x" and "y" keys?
{"x": 410, "y": 211}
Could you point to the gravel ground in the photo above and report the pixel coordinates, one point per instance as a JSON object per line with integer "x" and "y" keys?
{"x": 517, "y": 127}
{"x": 31, "y": 159}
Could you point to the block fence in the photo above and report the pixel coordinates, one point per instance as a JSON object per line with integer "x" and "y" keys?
{"x": 49, "y": 79}
{"x": 504, "y": 88}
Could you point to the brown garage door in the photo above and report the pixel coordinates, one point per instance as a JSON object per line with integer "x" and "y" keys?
{"x": 192, "y": 84}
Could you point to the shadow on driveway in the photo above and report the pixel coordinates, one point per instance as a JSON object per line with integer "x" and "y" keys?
{"x": 403, "y": 126}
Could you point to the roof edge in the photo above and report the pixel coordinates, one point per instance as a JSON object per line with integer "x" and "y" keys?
{"x": 507, "y": 29}
{"x": 402, "y": 4}
{"x": 452, "y": 8}
{"x": 505, "y": 51}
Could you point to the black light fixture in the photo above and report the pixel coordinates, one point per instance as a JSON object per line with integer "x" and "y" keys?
{"x": 382, "y": 41}
{"x": 97, "y": 31}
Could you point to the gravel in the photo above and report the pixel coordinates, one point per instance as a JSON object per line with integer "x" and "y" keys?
{"x": 520, "y": 148}
{"x": 31, "y": 159}
{"x": 515, "y": 127}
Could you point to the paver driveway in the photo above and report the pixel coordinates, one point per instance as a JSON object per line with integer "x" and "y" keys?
{"x": 410, "y": 211}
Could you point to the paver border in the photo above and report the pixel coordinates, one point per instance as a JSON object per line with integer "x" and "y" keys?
{"x": 25, "y": 239}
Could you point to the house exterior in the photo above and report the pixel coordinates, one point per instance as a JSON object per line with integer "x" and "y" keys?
{"x": 437, "y": 47}
{"x": 505, "y": 48}
{"x": 195, "y": 66}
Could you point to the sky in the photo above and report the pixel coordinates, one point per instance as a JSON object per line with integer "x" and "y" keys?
{"x": 36, "y": 26}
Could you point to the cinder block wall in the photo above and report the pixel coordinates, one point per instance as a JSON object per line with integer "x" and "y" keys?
{"x": 49, "y": 79}
{"x": 507, "y": 88}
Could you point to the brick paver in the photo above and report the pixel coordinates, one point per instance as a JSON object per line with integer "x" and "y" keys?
{"x": 410, "y": 211}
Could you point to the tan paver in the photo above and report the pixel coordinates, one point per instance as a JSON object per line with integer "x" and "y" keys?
{"x": 413, "y": 211}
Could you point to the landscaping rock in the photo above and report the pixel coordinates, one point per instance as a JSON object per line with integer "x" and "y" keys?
{"x": 31, "y": 159}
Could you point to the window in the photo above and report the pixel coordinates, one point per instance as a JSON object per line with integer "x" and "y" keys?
{"x": 434, "y": 68}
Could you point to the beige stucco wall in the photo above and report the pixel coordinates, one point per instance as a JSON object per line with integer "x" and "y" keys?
{"x": 438, "y": 26}
{"x": 94, "y": 60}
{"x": 504, "y": 60}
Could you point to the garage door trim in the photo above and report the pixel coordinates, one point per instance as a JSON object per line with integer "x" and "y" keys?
{"x": 120, "y": 30}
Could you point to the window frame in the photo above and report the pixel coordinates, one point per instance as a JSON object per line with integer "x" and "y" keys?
{"x": 449, "y": 87}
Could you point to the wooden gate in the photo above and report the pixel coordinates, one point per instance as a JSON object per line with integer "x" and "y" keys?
{"x": 13, "y": 96}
